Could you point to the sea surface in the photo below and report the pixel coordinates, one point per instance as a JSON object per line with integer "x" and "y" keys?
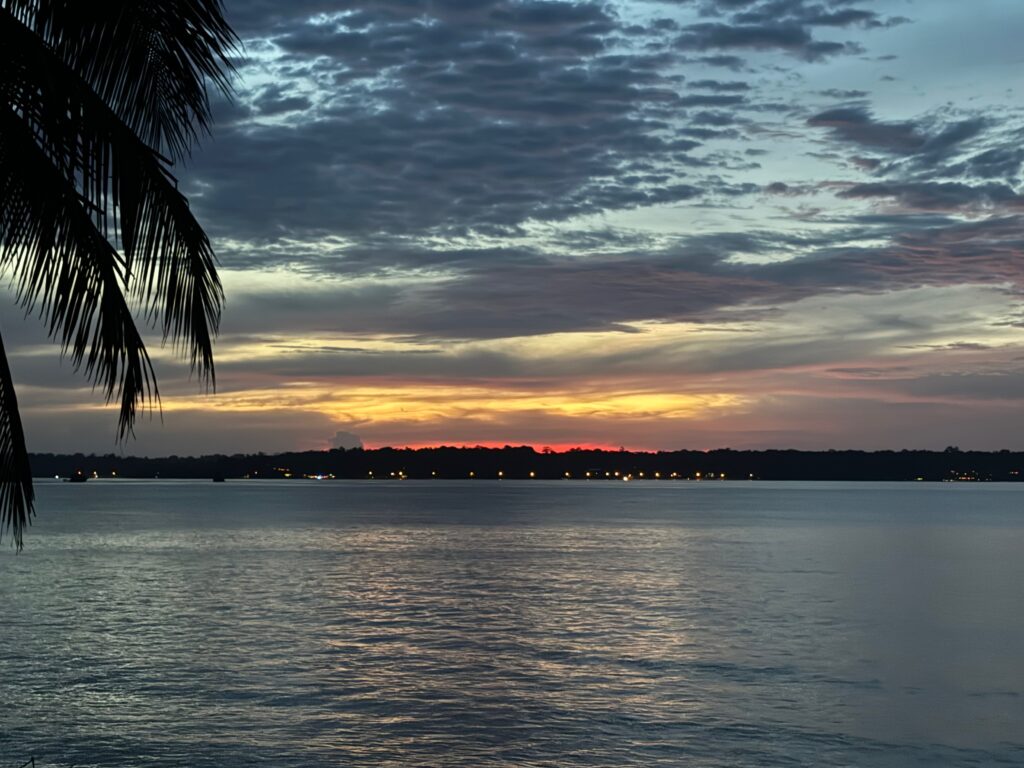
{"x": 478, "y": 623}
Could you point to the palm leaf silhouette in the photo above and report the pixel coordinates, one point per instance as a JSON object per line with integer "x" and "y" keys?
{"x": 101, "y": 99}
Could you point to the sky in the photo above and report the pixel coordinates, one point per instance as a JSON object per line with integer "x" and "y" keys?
{"x": 658, "y": 225}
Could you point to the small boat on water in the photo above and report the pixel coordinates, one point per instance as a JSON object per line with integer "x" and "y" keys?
{"x": 77, "y": 477}
{"x": 218, "y": 478}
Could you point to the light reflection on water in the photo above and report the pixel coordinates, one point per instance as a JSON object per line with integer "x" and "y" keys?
{"x": 527, "y": 624}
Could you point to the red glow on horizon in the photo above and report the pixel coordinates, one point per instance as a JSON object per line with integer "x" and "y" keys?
{"x": 538, "y": 447}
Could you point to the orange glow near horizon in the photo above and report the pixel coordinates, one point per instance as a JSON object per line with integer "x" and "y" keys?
{"x": 604, "y": 416}
{"x": 424, "y": 404}
{"x": 791, "y": 404}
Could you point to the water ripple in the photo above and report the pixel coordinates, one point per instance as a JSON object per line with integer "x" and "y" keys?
{"x": 499, "y": 625}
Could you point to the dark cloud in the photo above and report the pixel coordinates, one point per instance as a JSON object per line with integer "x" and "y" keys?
{"x": 837, "y": 93}
{"x": 713, "y": 118}
{"x": 946, "y": 142}
{"x": 273, "y": 100}
{"x": 1002, "y": 162}
{"x": 695, "y": 286}
{"x": 183, "y": 432}
{"x": 791, "y": 38}
{"x": 1006, "y": 384}
{"x": 810, "y": 13}
{"x": 719, "y": 85}
{"x": 925, "y": 149}
{"x": 346, "y": 440}
{"x": 494, "y": 114}
{"x": 735, "y": 63}
{"x": 938, "y": 196}
{"x": 711, "y": 100}
{"x": 257, "y": 18}
{"x": 488, "y": 295}
{"x": 932, "y": 163}
{"x": 856, "y": 125}
{"x": 473, "y": 117}
{"x": 868, "y": 164}
{"x": 784, "y": 25}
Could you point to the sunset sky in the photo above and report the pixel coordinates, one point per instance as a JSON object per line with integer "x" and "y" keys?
{"x": 688, "y": 224}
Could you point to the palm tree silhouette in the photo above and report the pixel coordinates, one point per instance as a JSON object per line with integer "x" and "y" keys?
{"x": 100, "y": 100}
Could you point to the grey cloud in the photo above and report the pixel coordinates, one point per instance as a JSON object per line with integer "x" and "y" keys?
{"x": 866, "y": 163}
{"x": 836, "y": 93}
{"x": 1002, "y": 162}
{"x": 856, "y": 125}
{"x": 346, "y": 440}
{"x": 959, "y": 346}
{"x": 495, "y": 114}
{"x": 393, "y": 172}
{"x": 791, "y": 38}
{"x": 785, "y": 25}
{"x": 257, "y": 17}
{"x": 181, "y": 432}
{"x": 837, "y": 13}
{"x": 943, "y": 145}
{"x": 503, "y": 294}
{"x": 706, "y": 134}
{"x": 719, "y": 85}
{"x": 781, "y": 188}
{"x": 735, "y": 63}
{"x": 713, "y": 118}
{"x": 714, "y": 7}
{"x": 273, "y": 100}
{"x": 710, "y": 100}
{"x": 921, "y": 150}
{"x": 843, "y": 18}
{"x": 1006, "y": 384}
{"x": 937, "y": 196}
{"x": 473, "y": 117}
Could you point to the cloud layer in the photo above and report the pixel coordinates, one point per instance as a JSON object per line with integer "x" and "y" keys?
{"x": 745, "y": 222}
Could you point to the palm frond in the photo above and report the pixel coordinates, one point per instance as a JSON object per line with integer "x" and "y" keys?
{"x": 94, "y": 95}
{"x": 65, "y": 269}
{"x": 119, "y": 180}
{"x": 171, "y": 256}
{"x": 150, "y": 60}
{"x": 16, "y": 492}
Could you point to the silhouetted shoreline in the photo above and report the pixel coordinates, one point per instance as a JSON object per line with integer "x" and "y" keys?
{"x": 526, "y": 463}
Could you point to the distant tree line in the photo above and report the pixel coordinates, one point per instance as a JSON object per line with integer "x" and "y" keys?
{"x": 524, "y": 463}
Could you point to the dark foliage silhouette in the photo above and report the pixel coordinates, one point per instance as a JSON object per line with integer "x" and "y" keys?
{"x": 102, "y": 98}
{"x": 525, "y": 463}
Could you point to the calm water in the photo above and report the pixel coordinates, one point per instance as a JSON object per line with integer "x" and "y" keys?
{"x": 515, "y": 624}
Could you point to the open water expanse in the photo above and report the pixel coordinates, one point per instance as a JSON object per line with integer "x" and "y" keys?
{"x": 477, "y": 623}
